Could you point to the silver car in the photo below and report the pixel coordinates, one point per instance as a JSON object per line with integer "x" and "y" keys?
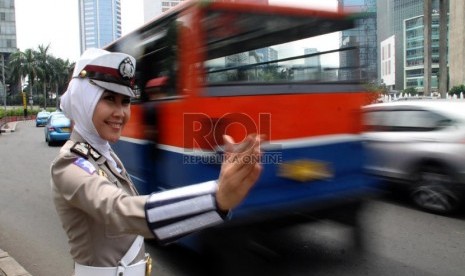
{"x": 422, "y": 145}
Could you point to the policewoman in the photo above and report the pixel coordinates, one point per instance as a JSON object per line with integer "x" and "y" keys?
{"x": 101, "y": 212}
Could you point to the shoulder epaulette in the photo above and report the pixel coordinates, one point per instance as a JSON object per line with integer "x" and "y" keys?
{"x": 85, "y": 150}
{"x": 82, "y": 149}
{"x": 94, "y": 153}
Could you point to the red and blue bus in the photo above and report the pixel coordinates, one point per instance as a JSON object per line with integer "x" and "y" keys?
{"x": 219, "y": 67}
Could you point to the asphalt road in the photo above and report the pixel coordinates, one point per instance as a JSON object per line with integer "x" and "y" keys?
{"x": 400, "y": 239}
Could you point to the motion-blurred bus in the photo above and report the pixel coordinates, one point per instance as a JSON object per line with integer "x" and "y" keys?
{"x": 219, "y": 67}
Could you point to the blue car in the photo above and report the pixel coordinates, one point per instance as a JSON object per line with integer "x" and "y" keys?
{"x": 41, "y": 118}
{"x": 57, "y": 129}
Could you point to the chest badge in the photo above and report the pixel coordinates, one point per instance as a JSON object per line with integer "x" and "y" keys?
{"x": 102, "y": 173}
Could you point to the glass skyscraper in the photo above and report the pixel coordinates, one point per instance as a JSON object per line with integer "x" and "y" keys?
{"x": 391, "y": 22}
{"x": 414, "y": 54}
{"x": 100, "y": 22}
{"x": 7, "y": 26}
{"x": 362, "y": 36}
{"x": 7, "y": 39}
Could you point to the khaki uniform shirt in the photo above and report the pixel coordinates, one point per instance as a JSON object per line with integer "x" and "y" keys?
{"x": 99, "y": 207}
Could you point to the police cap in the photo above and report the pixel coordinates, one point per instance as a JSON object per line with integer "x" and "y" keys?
{"x": 110, "y": 70}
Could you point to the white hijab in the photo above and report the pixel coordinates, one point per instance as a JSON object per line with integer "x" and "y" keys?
{"x": 78, "y": 103}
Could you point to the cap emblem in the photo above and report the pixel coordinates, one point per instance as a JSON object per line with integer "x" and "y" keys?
{"x": 83, "y": 74}
{"x": 126, "y": 69}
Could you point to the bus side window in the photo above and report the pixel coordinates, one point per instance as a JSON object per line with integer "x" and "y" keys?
{"x": 160, "y": 61}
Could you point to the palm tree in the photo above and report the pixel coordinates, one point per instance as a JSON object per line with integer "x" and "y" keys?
{"x": 60, "y": 74}
{"x": 16, "y": 71}
{"x": 43, "y": 60}
{"x": 22, "y": 65}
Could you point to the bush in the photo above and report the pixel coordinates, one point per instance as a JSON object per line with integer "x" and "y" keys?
{"x": 456, "y": 90}
{"x": 19, "y": 111}
{"x": 411, "y": 90}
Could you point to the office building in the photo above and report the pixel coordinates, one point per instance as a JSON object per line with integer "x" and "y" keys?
{"x": 311, "y": 68}
{"x": 7, "y": 27}
{"x": 363, "y": 36}
{"x": 100, "y": 22}
{"x": 153, "y": 8}
{"x": 266, "y": 54}
{"x": 7, "y": 39}
{"x": 312, "y": 61}
{"x": 388, "y": 62}
{"x": 414, "y": 54}
{"x": 391, "y": 22}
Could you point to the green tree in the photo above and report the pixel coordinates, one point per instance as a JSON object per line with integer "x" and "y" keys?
{"x": 41, "y": 70}
{"x": 22, "y": 65}
{"x": 16, "y": 70}
{"x": 61, "y": 70}
{"x": 46, "y": 71}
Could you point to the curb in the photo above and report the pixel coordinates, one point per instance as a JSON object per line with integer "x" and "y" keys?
{"x": 8, "y": 127}
{"x": 9, "y": 267}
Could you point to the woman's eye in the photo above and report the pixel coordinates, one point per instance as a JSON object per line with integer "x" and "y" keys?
{"x": 126, "y": 101}
{"x": 109, "y": 98}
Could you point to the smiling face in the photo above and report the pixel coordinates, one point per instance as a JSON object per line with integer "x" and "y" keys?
{"x": 111, "y": 114}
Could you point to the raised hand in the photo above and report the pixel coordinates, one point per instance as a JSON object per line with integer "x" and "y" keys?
{"x": 239, "y": 171}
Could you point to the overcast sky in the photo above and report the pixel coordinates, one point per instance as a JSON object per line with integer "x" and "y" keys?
{"x": 56, "y": 22}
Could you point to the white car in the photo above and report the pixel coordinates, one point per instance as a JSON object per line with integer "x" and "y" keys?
{"x": 422, "y": 145}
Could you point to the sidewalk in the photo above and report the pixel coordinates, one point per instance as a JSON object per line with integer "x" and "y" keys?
{"x": 9, "y": 267}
